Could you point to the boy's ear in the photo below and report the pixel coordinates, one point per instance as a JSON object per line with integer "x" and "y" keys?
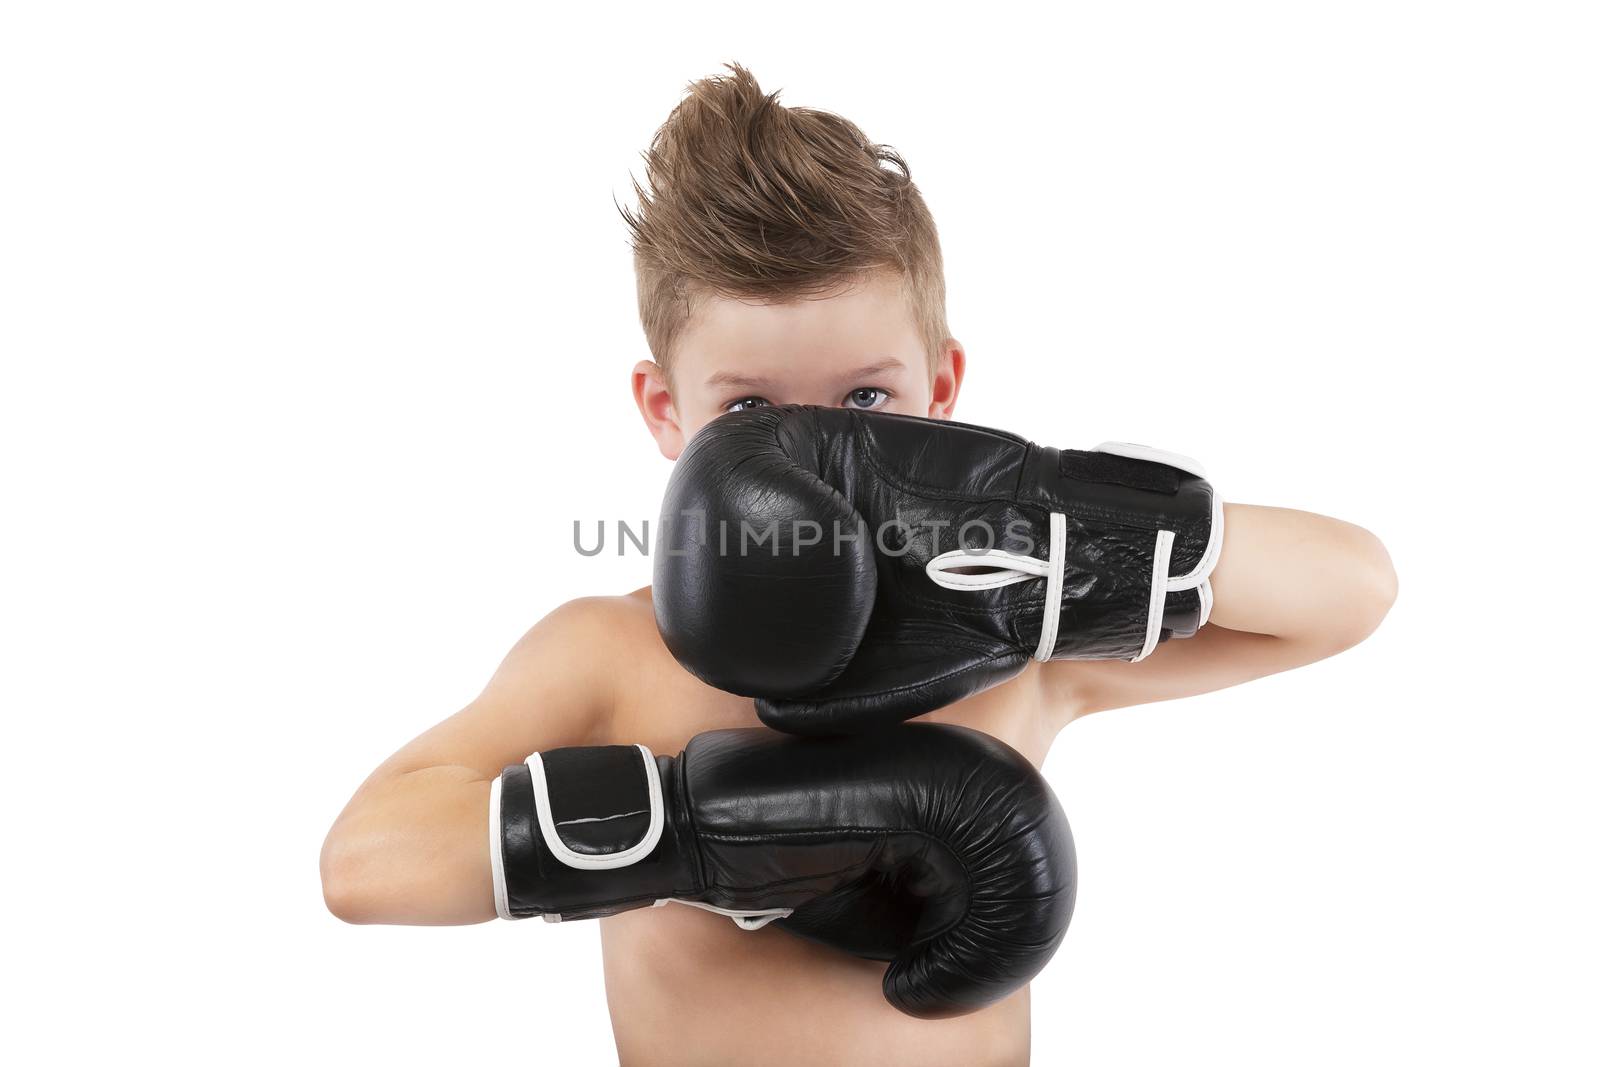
{"x": 653, "y": 394}
{"x": 947, "y": 375}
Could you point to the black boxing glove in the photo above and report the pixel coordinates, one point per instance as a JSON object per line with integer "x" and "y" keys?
{"x": 851, "y": 569}
{"x": 936, "y": 848}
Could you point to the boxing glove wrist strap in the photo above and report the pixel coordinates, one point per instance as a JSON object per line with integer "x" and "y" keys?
{"x": 597, "y": 810}
{"x": 973, "y": 569}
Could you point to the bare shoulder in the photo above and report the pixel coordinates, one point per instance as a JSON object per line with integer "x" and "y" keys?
{"x": 656, "y": 701}
{"x": 565, "y": 678}
{"x": 633, "y": 609}
{"x": 589, "y": 635}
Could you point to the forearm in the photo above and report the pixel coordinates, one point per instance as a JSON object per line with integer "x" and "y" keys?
{"x": 411, "y": 850}
{"x": 1300, "y": 576}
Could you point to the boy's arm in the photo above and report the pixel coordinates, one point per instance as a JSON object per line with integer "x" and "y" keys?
{"x": 1290, "y": 588}
{"x": 411, "y": 846}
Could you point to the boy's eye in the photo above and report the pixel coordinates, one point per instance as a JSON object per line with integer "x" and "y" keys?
{"x": 746, "y": 403}
{"x": 866, "y": 399}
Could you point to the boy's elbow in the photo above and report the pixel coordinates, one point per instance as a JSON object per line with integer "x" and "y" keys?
{"x": 350, "y": 896}
{"x": 1371, "y": 589}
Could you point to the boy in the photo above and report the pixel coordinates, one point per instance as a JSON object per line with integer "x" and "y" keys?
{"x": 784, "y": 259}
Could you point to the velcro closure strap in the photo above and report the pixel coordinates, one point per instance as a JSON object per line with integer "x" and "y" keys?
{"x": 599, "y": 808}
{"x": 1144, "y": 454}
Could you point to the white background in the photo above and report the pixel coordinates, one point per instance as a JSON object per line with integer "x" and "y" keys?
{"x": 317, "y": 320}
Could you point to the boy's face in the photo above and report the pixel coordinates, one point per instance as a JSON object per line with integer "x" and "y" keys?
{"x": 859, "y": 348}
